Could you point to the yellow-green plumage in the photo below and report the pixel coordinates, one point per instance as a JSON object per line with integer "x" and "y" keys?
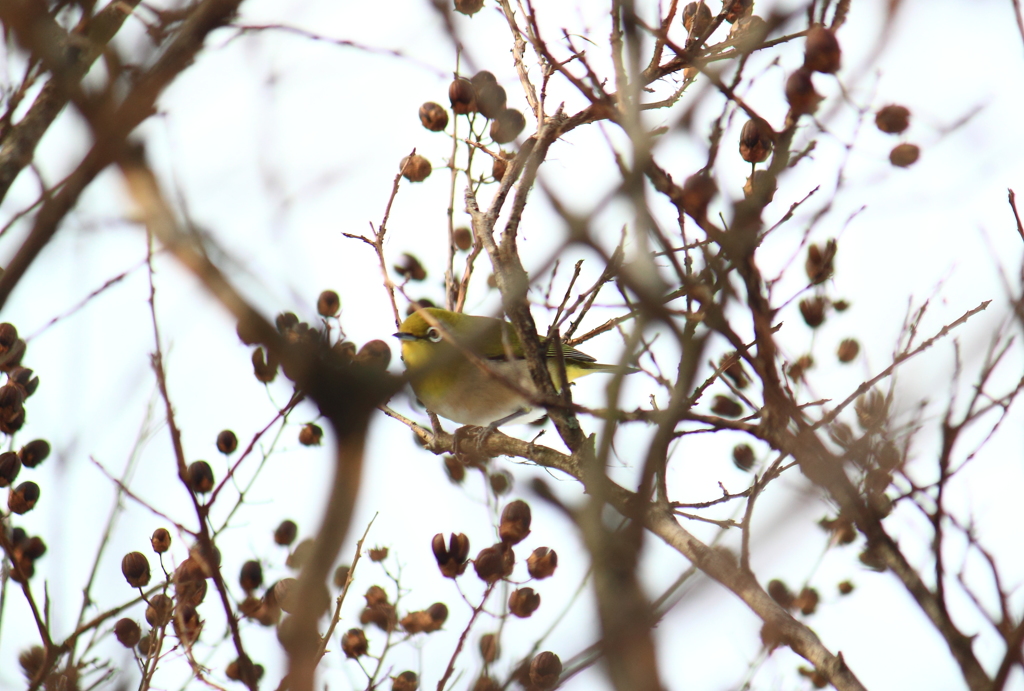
{"x": 452, "y": 386}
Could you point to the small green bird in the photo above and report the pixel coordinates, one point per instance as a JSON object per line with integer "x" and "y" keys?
{"x": 451, "y": 385}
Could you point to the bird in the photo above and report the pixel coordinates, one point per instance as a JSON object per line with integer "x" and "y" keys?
{"x": 451, "y": 385}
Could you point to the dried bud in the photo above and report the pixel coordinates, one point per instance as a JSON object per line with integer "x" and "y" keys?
{"x": 200, "y": 477}
{"x": 892, "y": 119}
{"x": 515, "y": 522}
{"x": 756, "y": 141}
{"x": 378, "y": 554}
{"x": 813, "y": 311}
{"x": 494, "y": 563}
{"x": 158, "y": 613}
{"x": 451, "y": 561}
{"x": 8, "y": 335}
{"x": 822, "y": 53}
{"x": 501, "y": 482}
{"x": 187, "y": 623}
{"x": 542, "y": 563}
{"x": 697, "y": 18}
{"x": 523, "y": 602}
{"x": 127, "y": 632}
{"x": 800, "y": 93}
{"x": 310, "y": 434}
{"x": 341, "y": 576}
{"x": 34, "y": 453}
{"x": 507, "y": 125}
{"x": 904, "y": 155}
{"x": 806, "y": 601}
{"x": 726, "y": 407}
{"x": 468, "y": 7}
{"x": 161, "y": 540}
{"x": 490, "y": 100}
{"x": 251, "y": 576}
{"x": 328, "y": 304}
{"x": 23, "y": 497}
{"x": 820, "y": 263}
{"x": 286, "y": 532}
{"x": 406, "y": 681}
{"x": 462, "y": 96}
{"x": 743, "y": 457}
{"x": 848, "y": 350}
{"x": 353, "y": 643}
{"x": 374, "y": 355}
{"x": 499, "y": 164}
{"x": 778, "y": 591}
{"x": 545, "y": 669}
{"x": 434, "y": 117}
{"x": 872, "y": 409}
{"x": 845, "y": 587}
{"x": 463, "y": 238}
{"x": 301, "y": 554}
{"x": 264, "y": 370}
{"x": 415, "y": 168}
{"x": 10, "y": 466}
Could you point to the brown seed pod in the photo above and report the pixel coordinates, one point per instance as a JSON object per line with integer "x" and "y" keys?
{"x": 778, "y": 591}
{"x": 34, "y": 453}
{"x": 310, "y": 434}
{"x": 32, "y": 662}
{"x": 697, "y": 18}
{"x": 33, "y": 548}
{"x": 144, "y": 645}
{"x": 733, "y": 368}
{"x": 8, "y": 335}
{"x": 285, "y": 591}
{"x": 499, "y": 164}
{"x": 483, "y": 78}
{"x": 158, "y": 613}
{"x": 756, "y": 139}
{"x": 821, "y": 52}
{"x": 698, "y": 191}
{"x": 820, "y": 262}
{"x": 889, "y": 457}
{"x": 806, "y": 601}
{"x": 726, "y": 407}
{"x": 301, "y": 554}
{"x": 507, "y": 125}
{"x": 486, "y": 684}
{"x": 406, "y": 681}
{"x": 494, "y": 563}
{"x": 462, "y": 96}
{"x": 286, "y": 532}
{"x": 328, "y": 304}
{"x": 542, "y": 563}
{"x": 353, "y": 643}
{"x": 468, "y": 7}
{"x": 160, "y": 540}
{"x": 10, "y": 466}
{"x": 545, "y": 669}
{"x": 200, "y": 477}
{"x": 127, "y": 632}
{"x": 286, "y": 321}
{"x": 251, "y": 576}
{"x": 842, "y": 530}
{"x": 848, "y": 350}
{"x": 452, "y": 560}
{"x": 463, "y": 238}
{"x": 800, "y": 93}
{"x": 135, "y": 568}
{"x": 378, "y": 554}
{"x": 410, "y": 267}
{"x": 376, "y": 595}
{"x": 187, "y": 624}
{"x": 242, "y": 669}
{"x": 433, "y": 116}
{"x": 491, "y": 100}
{"x": 415, "y": 168}
{"x": 341, "y": 576}
{"x": 845, "y": 587}
{"x": 872, "y": 409}
{"x": 381, "y": 615}
{"x": 892, "y": 119}
{"x": 523, "y": 602}
{"x": 748, "y": 32}
{"x": 796, "y": 370}
{"x": 743, "y": 456}
{"x": 489, "y": 649}
{"x": 501, "y": 482}
{"x": 227, "y": 442}
{"x": 23, "y": 498}
{"x": 11, "y": 397}
{"x": 761, "y": 187}
{"x": 264, "y": 369}
{"x": 904, "y": 155}
{"x": 515, "y": 522}
{"x": 735, "y": 9}
{"x": 813, "y": 311}
{"x": 11, "y": 357}
{"x": 374, "y": 355}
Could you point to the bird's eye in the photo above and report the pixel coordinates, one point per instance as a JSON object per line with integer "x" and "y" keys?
{"x": 434, "y": 335}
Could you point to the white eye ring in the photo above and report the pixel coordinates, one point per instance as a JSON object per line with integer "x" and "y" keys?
{"x": 433, "y": 335}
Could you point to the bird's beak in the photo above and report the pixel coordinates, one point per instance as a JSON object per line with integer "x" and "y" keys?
{"x": 402, "y": 336}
